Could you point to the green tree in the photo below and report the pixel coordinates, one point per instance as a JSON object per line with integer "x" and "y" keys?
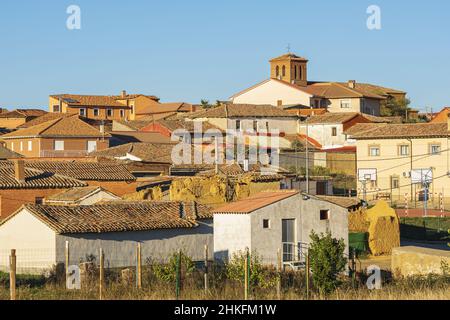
{"x": 327, "y": 261}
{"x": 395, "y": 107}
{"x": 205, "y": 104}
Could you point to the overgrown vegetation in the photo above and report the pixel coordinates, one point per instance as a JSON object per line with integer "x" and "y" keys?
{"x": 327, "y": 261}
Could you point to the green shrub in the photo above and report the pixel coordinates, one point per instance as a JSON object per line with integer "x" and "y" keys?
{"x": 168, "y": 272}
{"x": 327, "y": 261}
{"x": 259, "y": 276}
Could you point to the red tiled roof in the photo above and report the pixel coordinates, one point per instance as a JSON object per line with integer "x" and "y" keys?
{"x": 255, "y": 202}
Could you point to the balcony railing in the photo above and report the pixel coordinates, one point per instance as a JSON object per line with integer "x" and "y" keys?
{"x": 63, "y": 153}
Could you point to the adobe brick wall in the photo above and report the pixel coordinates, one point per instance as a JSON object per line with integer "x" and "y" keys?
{"x": 11, "y": 200}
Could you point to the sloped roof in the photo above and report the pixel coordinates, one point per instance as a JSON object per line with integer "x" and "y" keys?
{"x": 243, "y": 110}
{"x": 89, "y": 100}
{"x": 45, "y": 118}
{"x": 289, "y": 56}
{"x": 416, "y": 130}
{"x": 34, "y": 179}
{"x": 189, "y": 126}
{"x": 69, "y": 127}
{"x": 334, "y": 90}
{"x": 117, "y": 216}
{"x": 140, "y": 136}
{"x": 345, "y": 202}
{"x": 5, "y": 153}
{"x": 23, "y": 113}
{"x": 343, "y": 117}
{"x": 375, "y": 89}
{"x": 255, "y": 202}
{"x": 74, "y": 194}
{"x": 86, "y": 171}
{"x": 148, "y": 152}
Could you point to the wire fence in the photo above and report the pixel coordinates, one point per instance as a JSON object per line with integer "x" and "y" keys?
{"x": 87, "y": 271}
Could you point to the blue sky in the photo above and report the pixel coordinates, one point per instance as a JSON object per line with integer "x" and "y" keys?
{"x": 189, "y": 50}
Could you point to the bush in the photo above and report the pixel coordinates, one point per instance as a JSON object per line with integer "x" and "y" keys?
{"x": 168, "y": 272}
{"x": 327, "y": 261}
{"x": 259, "y": 276}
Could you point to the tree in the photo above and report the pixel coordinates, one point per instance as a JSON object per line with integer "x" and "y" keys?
{"x": 327, "y": 261}
{"x": 395, "y": 107}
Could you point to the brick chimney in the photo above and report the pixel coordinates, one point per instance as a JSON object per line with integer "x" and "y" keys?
{"x": 19, "y": 171}
{"x": 352, "y": 84}
{"x": 124, "y": 93}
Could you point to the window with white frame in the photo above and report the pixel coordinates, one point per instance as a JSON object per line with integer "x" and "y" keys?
{"x": 403, "y": 150}
{"x": 96, "y": 112}
{"x": 346, "y": 104}
{"x": 109, "y": 112}
{"x": 12, "y": 146}
{"x": 82, "y": 112}
{"x": 56, "y": 108}
{"x": 374, "y": 151}
{"x": 435, "y": 149}
{"x": 21, "y": 145}
{"x": 30, "y": 145}
{"x": 238, "y": 125}
{"x": 58, "y": 145}
{"x": 122, "y": 113}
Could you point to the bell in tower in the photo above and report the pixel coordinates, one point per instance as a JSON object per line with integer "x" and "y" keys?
{"x": 290, "y": 68}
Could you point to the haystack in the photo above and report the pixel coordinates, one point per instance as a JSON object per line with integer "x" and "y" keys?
{"x": 384, "y": 229}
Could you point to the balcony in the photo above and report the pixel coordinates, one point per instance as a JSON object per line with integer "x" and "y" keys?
{"x": 63, "y": 153}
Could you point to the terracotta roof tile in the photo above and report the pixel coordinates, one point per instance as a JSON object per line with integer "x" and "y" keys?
{"x": 118, "y": 216}
{"x": 8, "y": 154}
{"x": 34, "y": 179}
{"x": 417, "y": 130}
{"x": 255, "y": 202}
{"x": 89, "y": 100}
{"x": 148, "y": 152}
{"x": 243, "y": 110}
{"x": 23, "y": 113}
{"x": 73, "y": 194}
{"x": 86, "y": 171}
{"x": 70, "y": 127}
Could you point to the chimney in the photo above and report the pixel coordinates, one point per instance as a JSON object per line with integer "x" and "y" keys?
{"x": 124, "y": 93}
{"x": 19, "y": 171}
{"x": 352, "y": 84}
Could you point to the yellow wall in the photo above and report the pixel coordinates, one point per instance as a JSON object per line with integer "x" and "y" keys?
{"x": 398, "y": 165}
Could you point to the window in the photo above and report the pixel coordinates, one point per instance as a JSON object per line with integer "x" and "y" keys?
{"x": 300, "y": 72}
{"x": 96, "y": 112}
{"x": 317, "y": 104}
{"x": 435, "y": 149}
{"x": 56, "y": 108}
{"x": 283, "y": 71}
{"x": 82, "y": 112}
{"x": 39, "y": 200}
{"x": 122, "y": 113}
{"x": 324, "y": 215}
{"x": 21, "y": 145}
{"x": 374, "y": 151}
{"x": 238, "y": 124}
{"x": 266, "y": 224}
{"x": 91, "y": 146}
{"x": 346, "y": 104}
{"x": 109, "y": 112}
{"x": 279, "y": 103}
{"x": 403, "y": 150}
{"x": 255, "y": 125}
{"x": 395, "y": 182}
{"x": 334, "y": 132}
{"x": 277, "y": 71}
{"x": 30, "y": 145}
{"x": 12, "y": 146}
{"x": 295, "y": 72}
{"x": 58, "y": 145}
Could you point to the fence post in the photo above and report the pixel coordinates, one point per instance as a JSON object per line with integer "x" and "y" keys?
{"x": 246, "y": 273}
{"x": 406, "y": 204}
{"x": 138, "y": 266}
{"x": 178, "y": 276}
{"x": 67, "y": 261}
{"x": 102, "y": 275}
{"x": 206, "y": 269}
{"x": 307, "y": 275}
{"x": 279, "y": 268}
{"x": 12, "y": 274}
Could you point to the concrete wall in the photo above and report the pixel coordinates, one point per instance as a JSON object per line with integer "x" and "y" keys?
{"x": 232, "y": 232}
{"x": 415, "y": 261}
{"x": 33, "y": 240}
{"x": 271, "y": 92}
{"x": 120, "y": 247}
{"x": 323, "y": 133}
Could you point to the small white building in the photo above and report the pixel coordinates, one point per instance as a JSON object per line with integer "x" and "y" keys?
{"x": 272, "y": 221}
{"x": 83, "y": 196}
{"x": 39, "y": 233}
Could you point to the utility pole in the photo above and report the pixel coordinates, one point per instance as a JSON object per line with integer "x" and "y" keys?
{"x": 307, "y": 157}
